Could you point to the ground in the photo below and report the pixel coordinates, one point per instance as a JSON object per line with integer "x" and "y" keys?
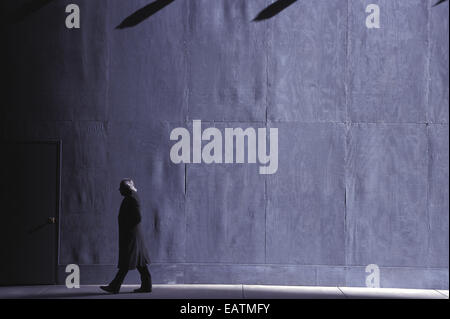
{"x": 219, "y": 292}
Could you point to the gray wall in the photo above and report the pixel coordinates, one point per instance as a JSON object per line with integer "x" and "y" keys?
{"x": 363, "y": 136}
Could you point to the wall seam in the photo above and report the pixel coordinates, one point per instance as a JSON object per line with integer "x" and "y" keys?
{"x": 187, "y": 100}
{"x": 427, "y": 132}
{"x": 427, "y": 65}
{"x": 347, "y": 75}
{"x": 268, "y": 34}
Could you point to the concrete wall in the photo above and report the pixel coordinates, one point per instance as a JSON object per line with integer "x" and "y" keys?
{"x": 363, "y": 136}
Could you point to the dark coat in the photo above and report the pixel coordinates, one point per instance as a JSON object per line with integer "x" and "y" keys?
{"x": 132, "y": 250}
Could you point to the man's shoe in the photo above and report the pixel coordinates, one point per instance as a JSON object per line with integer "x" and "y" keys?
{"x": 142, "y": 290}
{"x": 110, "y": 289}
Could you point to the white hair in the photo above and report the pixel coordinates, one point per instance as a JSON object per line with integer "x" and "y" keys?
{"x": 128, "y": 183}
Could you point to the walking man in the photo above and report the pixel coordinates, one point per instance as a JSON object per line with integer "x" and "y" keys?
{"x": 132, "y": 251}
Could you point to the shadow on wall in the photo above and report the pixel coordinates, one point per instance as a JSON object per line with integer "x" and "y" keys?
{"x": 144, "y": 13}
{"x": 273, "y": 9}
{"x": 439, "y": 2}
{"x": 26, "y": 10}
{"x": 152, "y": 8}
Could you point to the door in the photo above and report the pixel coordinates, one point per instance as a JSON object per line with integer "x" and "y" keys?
{"x": 29, "y": 213}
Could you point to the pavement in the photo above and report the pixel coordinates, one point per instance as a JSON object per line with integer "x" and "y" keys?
{"x": 220, "y": 292}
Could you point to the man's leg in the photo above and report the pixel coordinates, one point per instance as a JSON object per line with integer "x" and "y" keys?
{"x": 116, "y": 283}
{"x": 146, "y": 280}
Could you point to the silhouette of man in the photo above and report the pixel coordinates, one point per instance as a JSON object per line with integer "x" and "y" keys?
{"x": 132, "y": 251}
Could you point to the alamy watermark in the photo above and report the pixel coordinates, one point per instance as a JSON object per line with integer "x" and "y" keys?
{"x": 73, "y": 279}
{"x": 373, "y": 277}
{"x": 228, "y": 149}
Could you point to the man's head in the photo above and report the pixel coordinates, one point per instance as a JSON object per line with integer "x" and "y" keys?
{"x": 127, "y": 187}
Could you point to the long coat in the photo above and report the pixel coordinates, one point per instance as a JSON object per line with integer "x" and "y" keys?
{"x": 132, "y": 250}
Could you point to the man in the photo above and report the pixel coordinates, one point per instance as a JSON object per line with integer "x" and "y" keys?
{"x": 132, "y": 251}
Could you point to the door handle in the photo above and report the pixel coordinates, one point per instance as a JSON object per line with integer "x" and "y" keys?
{"x": 51, "y": 220}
